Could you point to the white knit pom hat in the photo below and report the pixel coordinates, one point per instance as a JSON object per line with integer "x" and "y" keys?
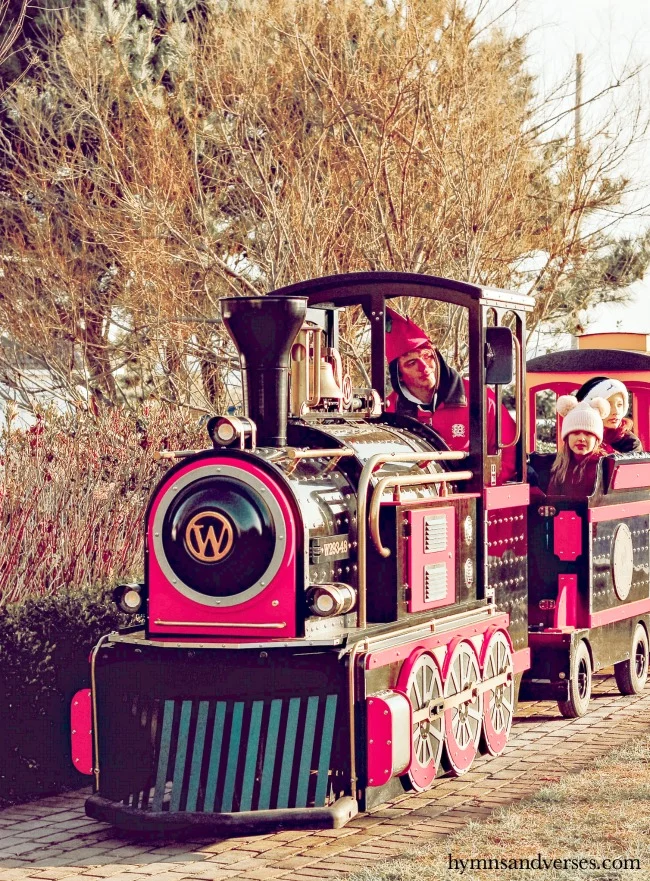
{"x": 603, "y": 387}
{"x": 582, "y": 415}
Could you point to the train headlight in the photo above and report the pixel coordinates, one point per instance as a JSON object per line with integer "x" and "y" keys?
{"x": 129, "y": 597}
{"x": 230, "y": 431}
{"x": 225, "y": 432}
{"x": 325, "y": 600}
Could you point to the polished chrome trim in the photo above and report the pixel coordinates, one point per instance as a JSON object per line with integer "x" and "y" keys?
{"x": 293, "y": 453}
{"x": 332, "y": 642}
{"x": 93, "y": 692}
{"x": 370, "y": 466}
{"x": 398, "y": 483}
{"x": 413, "y": 633}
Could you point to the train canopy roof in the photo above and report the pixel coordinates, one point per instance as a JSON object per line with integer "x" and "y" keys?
{"x": 352, "y": 287}
{"x": 594, "y": 361}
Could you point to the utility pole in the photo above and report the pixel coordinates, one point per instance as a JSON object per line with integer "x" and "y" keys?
{"x": 577, "y": 147}
{"x": 578, "y": 115}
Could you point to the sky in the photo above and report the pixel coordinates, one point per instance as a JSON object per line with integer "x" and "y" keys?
{"x": 612, "y": 36}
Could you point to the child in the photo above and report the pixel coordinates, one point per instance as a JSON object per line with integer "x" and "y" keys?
{"x": 617, "y": 436}
{"x": 574, "y": 471}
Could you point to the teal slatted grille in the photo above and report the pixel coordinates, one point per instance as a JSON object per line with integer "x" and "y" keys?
{"x": 230, "y": 756}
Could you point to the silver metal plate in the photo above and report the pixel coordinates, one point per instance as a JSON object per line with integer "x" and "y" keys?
{"x": 435, "y": 582}
{"x": 435, "y": 533}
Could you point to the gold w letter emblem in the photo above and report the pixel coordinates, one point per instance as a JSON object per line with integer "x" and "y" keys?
{"x": 209, "y": 537}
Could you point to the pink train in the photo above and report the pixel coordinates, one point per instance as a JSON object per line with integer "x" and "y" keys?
{"x": 336, "y": 606}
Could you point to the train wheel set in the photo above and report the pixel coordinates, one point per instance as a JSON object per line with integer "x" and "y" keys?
{"x": 455, "y": 700}
{"x": 339, "y": 605}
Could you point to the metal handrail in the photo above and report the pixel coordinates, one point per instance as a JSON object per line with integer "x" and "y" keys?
{"x": 518, "y": 400}
{"x": 398, "y": 483}
{"x": 293, "y": 453}
{"x": 296, "y": 456}
{"x": 369, "y": 468}
{"x": 93, "y": 698}
{"x": 313, "y": 399}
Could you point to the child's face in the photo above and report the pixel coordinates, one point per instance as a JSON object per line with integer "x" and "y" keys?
{"x": 581, "y": 443}
{"x": 616, "y": 410}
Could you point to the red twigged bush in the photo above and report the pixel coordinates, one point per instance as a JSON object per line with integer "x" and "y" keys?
{"x": 73, "y": 491}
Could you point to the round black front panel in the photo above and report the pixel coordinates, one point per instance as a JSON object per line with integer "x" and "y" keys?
{"x": 218, "y": 536}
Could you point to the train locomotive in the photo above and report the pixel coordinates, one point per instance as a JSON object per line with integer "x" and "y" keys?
{"x": 336, "y": 605}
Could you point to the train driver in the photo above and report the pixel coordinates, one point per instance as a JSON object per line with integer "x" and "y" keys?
{"x": 428, "y": 389}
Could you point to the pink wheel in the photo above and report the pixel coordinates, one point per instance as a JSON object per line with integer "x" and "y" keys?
{"x": 464, "y": 707}
{"x": 421, "y": 682}
{"x": 498, "y": 700}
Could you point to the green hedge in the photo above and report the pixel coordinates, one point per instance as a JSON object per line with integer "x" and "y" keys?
{"x": 44, "y": 646}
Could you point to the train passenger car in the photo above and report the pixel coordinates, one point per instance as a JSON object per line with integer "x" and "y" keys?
{"x": 334, "y": 601}
{"x": 589, "y": 563}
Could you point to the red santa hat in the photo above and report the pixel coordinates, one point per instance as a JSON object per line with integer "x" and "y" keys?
{"x": 402, "y": 336}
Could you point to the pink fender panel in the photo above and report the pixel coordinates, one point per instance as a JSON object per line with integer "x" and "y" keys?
{"x": 510, "y": 495}
{"x": 401, "y": 653}
{"x": 81, "y": 731}
{"x": 619, "y": 613}
{"x": 389, "y": 716}
{"x": 431, "y": 563}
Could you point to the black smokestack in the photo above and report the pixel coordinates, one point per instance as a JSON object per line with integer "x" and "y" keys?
{"x": 264, "y": 329}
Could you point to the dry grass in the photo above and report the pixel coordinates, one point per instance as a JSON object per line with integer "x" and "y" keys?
{"x": 601, "y": 813}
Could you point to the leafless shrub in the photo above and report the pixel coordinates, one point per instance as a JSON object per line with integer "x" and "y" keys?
{"x": 72, "y": 496}
{"x": 10, "y": 26}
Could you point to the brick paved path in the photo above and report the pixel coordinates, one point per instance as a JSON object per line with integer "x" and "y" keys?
{"x": 52, "y": 839}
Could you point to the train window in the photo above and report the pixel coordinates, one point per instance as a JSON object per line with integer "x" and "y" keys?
{"x": 545, "y": 422}
{"x": 445, "y": 324}
{"x": 333, "y": 379}
{"x": 354, "y": 346}
{"x": 344, "y": 378}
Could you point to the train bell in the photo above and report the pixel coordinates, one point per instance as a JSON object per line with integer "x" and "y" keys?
{"x": 329, "y": 388}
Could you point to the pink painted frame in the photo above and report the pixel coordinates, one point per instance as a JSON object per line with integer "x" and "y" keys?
{"x": 567, "y": 535}
{"x": 276, "y": 604}
{"x": 417, "y": 559}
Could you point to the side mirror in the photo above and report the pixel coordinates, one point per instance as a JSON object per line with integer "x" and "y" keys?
{"x": 499, "y": 355}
